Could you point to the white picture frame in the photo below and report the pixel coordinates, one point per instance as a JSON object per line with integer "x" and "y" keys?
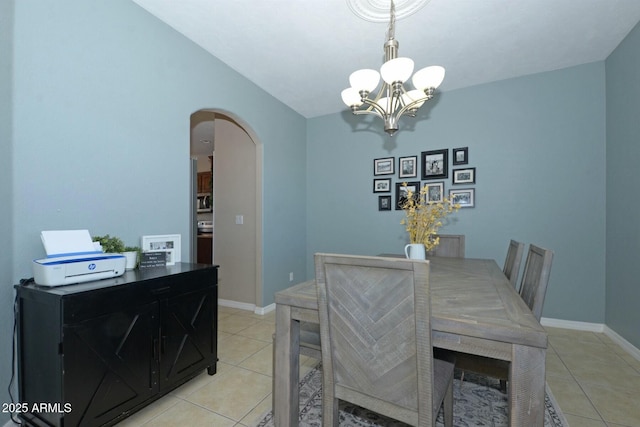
{"x": 169, "y": 243}
{"x": 466, "y": 198}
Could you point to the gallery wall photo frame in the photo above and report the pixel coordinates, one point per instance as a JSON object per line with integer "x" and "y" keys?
{"x": 408, "y": 167}
{"x": 435, "y": 191}
{"x": 384, "y": 166}
{"x": 466, "y": 197}
{"x": 382, "y": 185}
{"x": 402, "y": 190}
{"x": 384, "y": 203}
{"x": 464, "y": 176}
{"x": 435, "y": 164}
{"x": 460, "y": 156}
{"x": 169, "y": 243}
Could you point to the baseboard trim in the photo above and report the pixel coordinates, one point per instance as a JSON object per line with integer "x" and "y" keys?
{"x": 235, "y": 304}
{"x": 246, "y": 306}
{"x": 571, "y": 324}
{"x": 630, "y": 348}
{"x": 265, "y": 310}
{"x": 594, "y": 327}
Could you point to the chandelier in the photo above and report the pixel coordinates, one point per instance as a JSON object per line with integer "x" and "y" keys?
{"x": 392, "y": 100}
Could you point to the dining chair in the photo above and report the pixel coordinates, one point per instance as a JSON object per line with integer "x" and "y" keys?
{"x": 451, "y": 245}
{"x": 375, "y": 335}
{"x": 308, "y": 344}
{"x": 535, "y": 278}
{"x": 512, "y": 262}
{"x": 533, "y": 288}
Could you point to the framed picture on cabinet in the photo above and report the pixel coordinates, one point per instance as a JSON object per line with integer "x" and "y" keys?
{"x": 169, "y": 243}
{"x": 464, "y": 176}
{"x": 408, "y": 167}
{"x": 435, "y": 191}
{"x": 402, "y": 190}
{"x": 384, "y": 166}
{"x": 466, "y": 198}
{"x": 435, "y": 164}
{"x": 384, "y": 203}
{"x": 460, "y": 156}
{"x": 382, "y": 185}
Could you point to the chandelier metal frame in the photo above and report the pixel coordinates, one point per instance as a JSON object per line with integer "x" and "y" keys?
{"x": 392, "y": 101}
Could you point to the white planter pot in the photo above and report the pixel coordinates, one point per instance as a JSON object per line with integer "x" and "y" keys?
{"x": 132, "y": 259}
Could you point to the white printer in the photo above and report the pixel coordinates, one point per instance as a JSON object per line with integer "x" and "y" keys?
{"x": 72, "y": 258}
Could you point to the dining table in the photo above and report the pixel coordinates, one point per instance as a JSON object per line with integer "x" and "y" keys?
{"x": 474, "y": 309}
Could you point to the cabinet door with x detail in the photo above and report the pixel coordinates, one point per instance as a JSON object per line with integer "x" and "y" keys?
{"x": 188, "y": 336}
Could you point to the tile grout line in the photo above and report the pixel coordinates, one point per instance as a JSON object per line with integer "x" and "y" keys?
{"x": 581, "y": 388}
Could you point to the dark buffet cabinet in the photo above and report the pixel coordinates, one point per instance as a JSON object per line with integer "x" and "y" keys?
{"x": 91, "y": 354}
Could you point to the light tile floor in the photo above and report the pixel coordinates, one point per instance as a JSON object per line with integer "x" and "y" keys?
{"x": 596, "y": 383}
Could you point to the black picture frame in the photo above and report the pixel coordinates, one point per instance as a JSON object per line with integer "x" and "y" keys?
{"x": 463, "y": 176}
{"x": 401, "y": 191}
{"x": 384, "y": 203}
{"x": 460, "y": 156}
{"x": 384, "y": 166}
{"x": 382, "y": 185}
{"x": 465, "y": 197}
{"x": 435, "y": 191}
{"x": 435, "y": 164}
{"x": 408, "y": 167}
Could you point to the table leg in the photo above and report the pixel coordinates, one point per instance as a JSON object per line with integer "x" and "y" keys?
{"x": 286, "y": 372}
{"x": 527, "y": 386}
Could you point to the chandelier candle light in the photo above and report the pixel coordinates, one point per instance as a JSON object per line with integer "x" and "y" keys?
{"x": 392, "y": 100}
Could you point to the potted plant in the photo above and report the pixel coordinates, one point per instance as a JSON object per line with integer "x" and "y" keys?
{"x": 422, "y": 221}
{"x": 115, "y": 245}
{"x": 110, "y": 245}
{"x": 132, "y": 254}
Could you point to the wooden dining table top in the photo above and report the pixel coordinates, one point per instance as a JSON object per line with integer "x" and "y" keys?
{"x": 469, "y": 297}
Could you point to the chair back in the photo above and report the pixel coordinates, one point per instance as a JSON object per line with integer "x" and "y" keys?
{"x": 451, "y": 245}
{"x": 535, "y": 278}
{"x": 512, "y": 262}
{"x": 375, "y": 327}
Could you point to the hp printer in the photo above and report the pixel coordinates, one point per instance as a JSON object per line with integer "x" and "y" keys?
{"x": 72, "y": 258}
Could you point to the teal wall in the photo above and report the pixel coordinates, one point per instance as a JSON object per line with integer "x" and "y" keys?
{"x": 538, "y": 146}
{"x": 102, "y": 98}
{"x": 6, "y": 195}
{"x": 623, "y": 205}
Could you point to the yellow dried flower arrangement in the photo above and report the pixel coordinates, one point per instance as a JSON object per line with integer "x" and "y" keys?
{"x": 424, "y": 218}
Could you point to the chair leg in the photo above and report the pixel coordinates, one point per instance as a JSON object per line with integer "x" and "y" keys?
{"x": 448, "y": 405}
{"x": 330, "y": 412}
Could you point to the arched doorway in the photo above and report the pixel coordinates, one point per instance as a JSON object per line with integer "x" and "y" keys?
{"x": 236, "y": 204}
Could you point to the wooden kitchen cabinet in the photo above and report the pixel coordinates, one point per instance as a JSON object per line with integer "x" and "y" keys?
{"x": 204, "y": 182}
{"x": 205, "y": 248}
{"x": 99, "y": 351}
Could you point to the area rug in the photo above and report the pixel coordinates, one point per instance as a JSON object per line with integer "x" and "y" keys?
{"x": 477, "y": 403}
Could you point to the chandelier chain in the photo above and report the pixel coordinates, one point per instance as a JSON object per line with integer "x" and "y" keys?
{"x": 391, "y": 33}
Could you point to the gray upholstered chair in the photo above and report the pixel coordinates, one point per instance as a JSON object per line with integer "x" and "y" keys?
{"x": 512, "y": 262}
{"x": 451, "y": 245}
{"x": 533, "y": 289}
{"x": 375, "y": 329}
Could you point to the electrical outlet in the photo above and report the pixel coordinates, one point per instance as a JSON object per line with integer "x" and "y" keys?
{"x": 239, "y": 219}
{"x": 291, "y": 276}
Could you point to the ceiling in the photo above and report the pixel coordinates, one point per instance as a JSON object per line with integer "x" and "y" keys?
{"x": 302, "y": 51}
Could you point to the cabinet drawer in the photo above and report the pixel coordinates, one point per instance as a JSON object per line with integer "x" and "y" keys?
{"x": 87, "y": 305}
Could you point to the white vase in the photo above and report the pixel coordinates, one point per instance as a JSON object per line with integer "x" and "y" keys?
{"x": 131, "y": 259}
{"x": 415, "y": 251}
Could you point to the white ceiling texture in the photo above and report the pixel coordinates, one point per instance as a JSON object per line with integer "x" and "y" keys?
{"x": 303, "y": 51}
